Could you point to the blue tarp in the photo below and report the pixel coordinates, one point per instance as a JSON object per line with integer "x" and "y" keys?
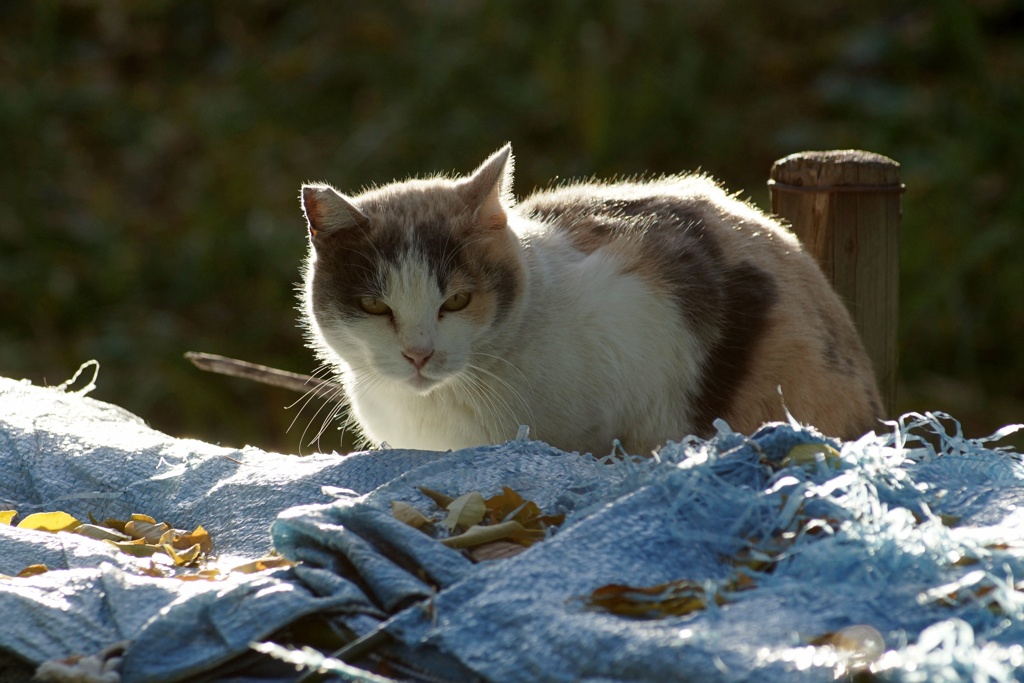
{"x": 903, "y": 552}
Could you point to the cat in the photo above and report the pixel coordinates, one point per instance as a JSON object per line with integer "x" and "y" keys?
{"x": 640, "y": 311}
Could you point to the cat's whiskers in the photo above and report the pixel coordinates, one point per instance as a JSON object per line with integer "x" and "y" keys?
{"x": 512, "y": 389}
{"x": 328, "y": 419}
{"x": 484, "y": 395}
{"x": 331, "y": 395}
{"x": 526, "y": 380}
{"x": 477, "y": 371}
{"x": 322, "y": 372}
{"x": 336, "y": 405}
{"x": 326, "y": 392}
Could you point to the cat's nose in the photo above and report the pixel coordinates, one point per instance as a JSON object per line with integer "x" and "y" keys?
{"x": 417, "y": 356}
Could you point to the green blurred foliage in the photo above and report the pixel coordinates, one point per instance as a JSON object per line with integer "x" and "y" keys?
{"x": 151, "y": 154}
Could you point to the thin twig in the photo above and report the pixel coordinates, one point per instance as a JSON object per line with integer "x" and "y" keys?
{"x": 258, "y": 373}
{"x": 354, "y": 651}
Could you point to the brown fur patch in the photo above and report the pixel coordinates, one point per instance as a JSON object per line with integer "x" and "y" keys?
{"x": 745, "y": 300}
{"x": 745, "y": 289}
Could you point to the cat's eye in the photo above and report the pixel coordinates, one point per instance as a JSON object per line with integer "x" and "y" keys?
{"x": 373, "y": 305}
{"x": 456, "y": 302}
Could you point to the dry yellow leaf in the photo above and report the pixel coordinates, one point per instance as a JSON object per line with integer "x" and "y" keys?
{"x": 152, "y": 532}
{"x": 143, "y": 536}
{"x": 262, "y": 564}
{"x": 187, "y": 557}
{"x": 199, "y": 536}
{"x": 466, "y": 511}
{"x": 137, "y": 548}
{"x": 49, "y": 521}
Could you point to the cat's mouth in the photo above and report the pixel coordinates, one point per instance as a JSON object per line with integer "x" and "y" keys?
{"x": 422, "y": 384}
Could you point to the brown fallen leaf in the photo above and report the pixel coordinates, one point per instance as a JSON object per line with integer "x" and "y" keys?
{"x": 101, "y": 533}
{"x": 509, "y": 505}
{"x": 753, "y": 559}
{"x": 495, "y": 550}
{"x": 505, "y": 505}
{"x": 33, "y": 570}
{"x": 151, "y": 532}
{"x": 479, "y": 534}
{"x": 154, "y": 570}
{"x": 117, "y": 524}
{"x": 861, "y": 645}
{"x": 442, "y": 500}
{"x": 677, "y": 598}
{"x": 672, "y": 599}
{"x": 475, "y": 521}
{"x": 407, "y": 514}
{"x": 199, "y": 536}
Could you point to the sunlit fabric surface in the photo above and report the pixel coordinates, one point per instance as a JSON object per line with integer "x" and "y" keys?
{"x": 901, "y": 552}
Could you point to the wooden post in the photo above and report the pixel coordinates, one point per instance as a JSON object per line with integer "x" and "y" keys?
{"x": 845, "y": 207}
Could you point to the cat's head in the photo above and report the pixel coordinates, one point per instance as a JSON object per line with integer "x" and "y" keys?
{"x": 410, "y": 282}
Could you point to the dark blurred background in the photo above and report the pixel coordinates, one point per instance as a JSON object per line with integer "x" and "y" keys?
{"x": 151, "y": 155}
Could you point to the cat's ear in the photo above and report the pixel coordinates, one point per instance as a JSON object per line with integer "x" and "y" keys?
{"x": 489, "y": 188}
{"x": 328, "y": 211}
